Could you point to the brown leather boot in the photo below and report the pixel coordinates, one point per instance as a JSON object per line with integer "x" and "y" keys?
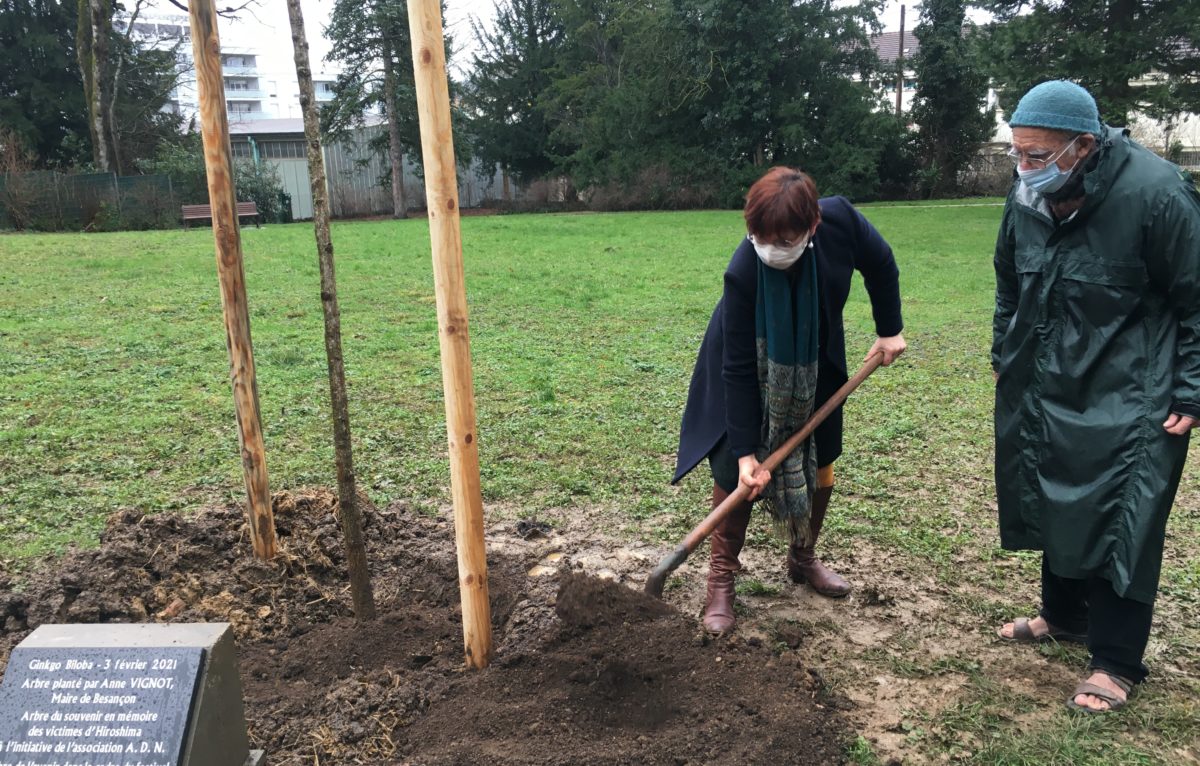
{"x": 727, "y": 541}
{"x": 803, "y": 564}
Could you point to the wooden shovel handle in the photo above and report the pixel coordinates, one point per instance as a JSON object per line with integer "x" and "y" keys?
{"x": 738, "y": 496}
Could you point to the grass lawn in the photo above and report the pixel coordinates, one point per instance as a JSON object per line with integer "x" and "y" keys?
{"x": 583, "y": 330}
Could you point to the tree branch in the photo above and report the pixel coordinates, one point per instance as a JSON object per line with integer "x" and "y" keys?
{"x": 228, "y": 11}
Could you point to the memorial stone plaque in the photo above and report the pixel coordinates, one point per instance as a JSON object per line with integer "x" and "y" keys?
{"x": 123, "y": 695}
{"x": 97, "y": 707}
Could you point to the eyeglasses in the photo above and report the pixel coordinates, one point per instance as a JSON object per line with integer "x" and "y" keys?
{"x": 1039, "y": 159}
{"x": 781, "y": 242}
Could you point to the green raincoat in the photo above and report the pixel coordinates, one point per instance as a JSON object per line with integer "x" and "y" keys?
{"x": 1096, "y": 340}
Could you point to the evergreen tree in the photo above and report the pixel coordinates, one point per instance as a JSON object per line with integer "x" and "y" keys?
{"x": 509, "y": 78}
{"x": 41, "y": 94}
{"x": 372, "y": 43}
{"x": 61, "y": 116}
{"x": 685, "y": 102}
{"x": 624, "y": 102}
{"x": 951, "y": 99}
{"x": 139, "y": 122}
{"x": 749, "y": 47}
{"x": 1131, "y": 55}
{"x": 802, "y": 95}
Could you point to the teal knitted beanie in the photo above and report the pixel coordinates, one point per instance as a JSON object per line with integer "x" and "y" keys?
{"x": 1059, "y": 105}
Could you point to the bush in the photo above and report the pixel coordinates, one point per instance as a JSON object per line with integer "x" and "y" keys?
{"x": 655, "y": 187}
{"x": 184, "y": 163}
{"x": 988, "y": 174}
{"x": 259, "y": 184}
{"x": 541, "y": 195}
{"x": 147, "y": 202}
{"x": 285, "y": 207}
{"x": 16, "y": 161}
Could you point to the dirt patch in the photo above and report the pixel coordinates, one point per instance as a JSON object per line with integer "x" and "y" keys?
{"x": 585, "y": 602}
{"x": 586, "y": 671}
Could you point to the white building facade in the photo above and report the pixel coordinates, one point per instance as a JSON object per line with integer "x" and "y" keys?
{"x": 256, "y": 61}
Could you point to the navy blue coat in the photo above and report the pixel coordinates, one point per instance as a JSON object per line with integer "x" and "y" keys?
{"x": 724, "y": 397}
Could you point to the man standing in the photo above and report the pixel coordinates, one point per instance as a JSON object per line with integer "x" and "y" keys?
{"x": 1096, "y": 351}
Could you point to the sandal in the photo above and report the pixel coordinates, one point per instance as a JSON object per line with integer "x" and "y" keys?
{"x": 1023, "y": 634}
{"x": 1105, "y": 695}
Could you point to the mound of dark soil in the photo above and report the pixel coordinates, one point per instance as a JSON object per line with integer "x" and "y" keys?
{"x": 585, "y": 672}
{"x": 588, "y": 601}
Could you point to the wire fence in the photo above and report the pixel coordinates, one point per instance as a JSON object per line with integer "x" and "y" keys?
{"x": 51, "y": 201}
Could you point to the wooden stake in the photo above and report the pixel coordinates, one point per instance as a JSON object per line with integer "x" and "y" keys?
{"x": 352, "y": 532}
{"x": 218, "y": 164}
{"x": 441, "y": 194}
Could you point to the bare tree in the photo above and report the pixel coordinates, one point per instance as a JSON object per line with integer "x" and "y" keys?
{"x": 102, "y": 56}
{"x": 356, "y": 555}
{"x": 15, "y": 193}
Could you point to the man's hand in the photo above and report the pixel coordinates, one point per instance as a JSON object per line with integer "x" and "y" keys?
{"x": 1179, "y": 424}
{"x": 751, "y": 475}
{"x": 891, "y": 347}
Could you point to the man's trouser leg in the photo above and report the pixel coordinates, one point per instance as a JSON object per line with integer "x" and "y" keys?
{"x": 1117, "y": 628}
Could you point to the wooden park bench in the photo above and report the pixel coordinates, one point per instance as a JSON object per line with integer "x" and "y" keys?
{"x": 204, "y": 212}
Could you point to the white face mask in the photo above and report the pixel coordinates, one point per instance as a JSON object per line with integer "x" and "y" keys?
{"x": 780, "y": 257}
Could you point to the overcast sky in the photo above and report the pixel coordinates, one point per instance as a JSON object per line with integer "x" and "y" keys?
{"x": 264, "y": 26}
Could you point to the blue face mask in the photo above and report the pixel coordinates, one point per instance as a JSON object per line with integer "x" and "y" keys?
{"x": 1049, "y": 179}
{"x": 1045, "y": 180}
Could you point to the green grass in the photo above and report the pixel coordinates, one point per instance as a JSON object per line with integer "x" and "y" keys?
{"x": 584, "y": 329}
{"x": 750, "y": 587}
{"x": 117, "y": 394}
{"x": 861, "y": 753}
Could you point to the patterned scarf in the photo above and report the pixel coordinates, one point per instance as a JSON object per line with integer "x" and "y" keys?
{"x": 786, "y": 334}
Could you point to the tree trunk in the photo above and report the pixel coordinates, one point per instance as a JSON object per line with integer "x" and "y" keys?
{"x": 1116, "y": 92}
{"x": 395, "y": 153}
{"x": 101, "y": 12}
{"x": 115, "y": 160}
{"x": 91, "y": 38}
{"x": 356, "y": 551}
{"x": 114, "y": 89}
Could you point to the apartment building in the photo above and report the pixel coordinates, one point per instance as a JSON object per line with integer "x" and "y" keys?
{"x": 259, "y": 71}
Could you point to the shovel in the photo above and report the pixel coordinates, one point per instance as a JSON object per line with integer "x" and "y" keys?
{"x": 654, "y": 584}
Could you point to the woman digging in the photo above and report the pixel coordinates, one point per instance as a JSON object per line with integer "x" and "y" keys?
{"x": 774, "y": 351}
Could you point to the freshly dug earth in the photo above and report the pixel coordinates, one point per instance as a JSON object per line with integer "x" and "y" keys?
{"x": 586, "y": 671}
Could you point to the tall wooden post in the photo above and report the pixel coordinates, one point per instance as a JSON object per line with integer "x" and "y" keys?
{"x": 441, "y": 194}
{"x": 218, "y": 164}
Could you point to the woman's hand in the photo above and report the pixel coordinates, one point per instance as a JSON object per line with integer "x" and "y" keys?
{"x": 752, "y": 475}
{"x": 891, "y": 347}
